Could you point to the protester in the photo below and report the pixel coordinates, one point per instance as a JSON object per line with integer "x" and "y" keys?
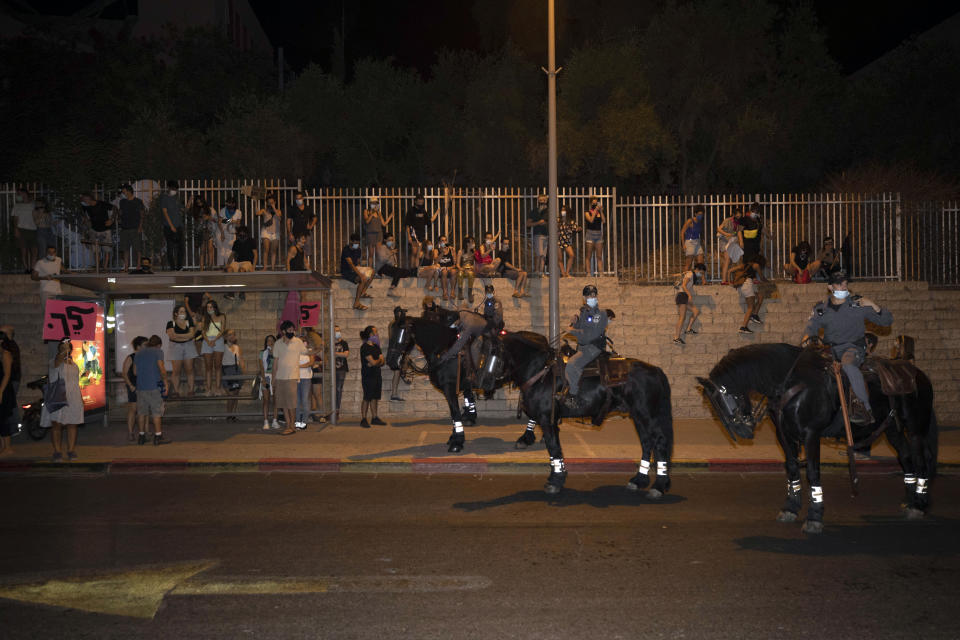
{"x": 373, "y": 225}
{"x": 212, "y": 330}
{"x": 300, "y": 222}
{"x": 232, "y": 365}
{"x": 129, "y": 375}
{"x": 371, "y": 379}
{"x": 130, "y": 222}
{"x": 266, "y": 383}
{"x": 8, "y": 344}
{"x": 417, "y": 224}
{"x": 271, "y": 222}
{"x": 385, "y": 263}
{"x": 342, "y": 349}
{"x": 351, "y": 270}
{"x": 151, "y": 377}
{"x": 315, "y": 347}
{"x": 684, "y": 300}
{"x": 744, "y": 279}
{"x": 43, "y": 219}
{"x": 8, "y": 399}
{"x": 208, "y": 232}
{"x": 751, "y": 234}
{"x": 229, "y": 219}
{"x": 829, "y": 259}
{"x": 145, "y": 268}
{"x": 593, "y": 236}
{"x": 25, "y": 228}
{"x": 62, "y": 367}
{"x": 484, "y": 257}
{"x": 511, "y": 272}
{"x": 305, "y": 382}
{"x": 466, "y": 260}
{"x": 427, "y": 266}
{"x": 286, "y": 373}
{"x": 729, "y": 237}
{"x": 45, "y": 271}
{"x": 802, "y": 266}
{"x": 446, "y": 263}
{"x": 99, "y": 216}
{"x": 297, "y": 254}
{"x": 538, "y": 223}
{"x": 172, "y": 219}
{"x": 243, "y": 253}
{"x": 691, "y": 235}
{"x": 567, "y": 228}
{"x": 181, "y": 334}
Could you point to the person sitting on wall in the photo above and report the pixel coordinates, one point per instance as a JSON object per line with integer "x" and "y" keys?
{"x": 351, "y": 270}
{"x": 828, "y": 259}
{"x": 802, "y": 265}
{"x": 243, "y": 253}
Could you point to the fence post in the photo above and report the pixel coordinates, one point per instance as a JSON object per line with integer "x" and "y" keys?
{"x": 613, "y": 258}
{"x": 899, "y": 237}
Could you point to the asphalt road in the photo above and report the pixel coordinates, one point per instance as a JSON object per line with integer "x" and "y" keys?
{"x": 396, "y": 556}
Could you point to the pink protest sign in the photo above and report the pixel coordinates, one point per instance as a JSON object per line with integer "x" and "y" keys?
{"x": 70, "y": 319}
{"x": 309, "y": 314}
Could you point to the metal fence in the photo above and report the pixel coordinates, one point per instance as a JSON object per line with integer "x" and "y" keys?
{"x": 881, "y": 237}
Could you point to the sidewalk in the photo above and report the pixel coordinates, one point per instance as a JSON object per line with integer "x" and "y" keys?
{"x": 415, "y": 446}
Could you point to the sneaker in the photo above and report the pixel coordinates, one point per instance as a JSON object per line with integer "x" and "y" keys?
{"x": 158, "y": 440}
{"x": 755, "y": 318}
{"x": 678, "y": 341}
{"x": 142, "y": 438}
{"x": 745, "y": 330}
{"x": 57, "y": 457}
{"x": 275, "y": 425}
{"x": 365, "y": 424}
{"x": 376, "y": 420}
{"x": 693, "y": 331}
{"x": 266, "y": 426}
{"x": 71, "y": 455}
{"x": 396, "y": 399}
{"x": 300, "y": 425}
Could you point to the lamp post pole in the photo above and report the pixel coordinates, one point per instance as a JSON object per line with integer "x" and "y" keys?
{"x": 551, "y": 70}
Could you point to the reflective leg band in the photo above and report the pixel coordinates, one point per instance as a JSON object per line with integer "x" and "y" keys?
{"x": 458, "y": 427}
{"x": 816, "y": 495}
{"x": 644, "y": 467}
{"x": 661, "y": 468}
{"x": 557, "y": 464}
{"x": 910, "y": 479}
{"x": 531, "y": 424}
{"x": 793, "y": 486}
{"x": 921, "y": 486}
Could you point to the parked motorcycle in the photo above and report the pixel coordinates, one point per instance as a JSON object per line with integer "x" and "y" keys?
{"x": 30, "y": 417}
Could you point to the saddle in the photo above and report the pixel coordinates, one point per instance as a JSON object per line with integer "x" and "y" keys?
{"x": 897, "y": 377}
{"x": 611, "y": 370}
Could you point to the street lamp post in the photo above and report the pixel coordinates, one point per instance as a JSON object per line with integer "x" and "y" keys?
{"x": 551, "y": 71}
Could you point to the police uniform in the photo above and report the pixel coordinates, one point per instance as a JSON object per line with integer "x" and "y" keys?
{"x": 492, "y": 311}
{"x": 588, "y": 327}
{"x": 471, "y": 325}
{"x": 844, "y": 330}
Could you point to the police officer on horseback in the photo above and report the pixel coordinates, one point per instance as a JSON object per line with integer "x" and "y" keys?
{"x": 842, "y": 318}
{"x": 491, "y": 309}
{"x": 589, "y": 328}
{"x": 470, "y": 324}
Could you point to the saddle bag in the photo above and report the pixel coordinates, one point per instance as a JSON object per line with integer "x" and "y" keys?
{"x": 897, "y": 377}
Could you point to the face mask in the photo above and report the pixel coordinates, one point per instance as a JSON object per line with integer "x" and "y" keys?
{"x": 210, "y": 310}
{"x": 470, "y": 246}
{"x": 489, "y": 296}
{"x": 172, "y": 192}
{"x": 299, "y": 202}
{"x": 840, "y": 295}
{"x": 355, "y": 245}
{"x": 489, "y": 243}
{"x": 375, "y": 340}
{"x": 390, "y": 243}
{"x": 429, "y": 247}
{"x": 289, "y": 334}
{"x": 592, "y": 302}
{"x": 181, "y": 316}
{"x": 51, "y": 258}
{"x": 504, "y": 247}
{"x": 442, "y": 244}
{"x": 337, "y": 334}
{"x": 85, "y": 204}
{"x": 374, "y": 206}
{"x": 128, "y": 197}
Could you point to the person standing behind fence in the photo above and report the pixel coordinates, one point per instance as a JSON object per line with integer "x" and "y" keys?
{"x": 243, "y": 254}
{"x": 342, "y": 349}
{"x": 172, "y": 211}
{"x": 300, "y": 222}
{"x": 567, "y": 228}
{"x": 132, "y": 212}
{"x": 417, "y": 224}
{"x": 728, "y": 233}
{"x": 128, "y": 372}
{"x": 151, "y": 387}
{"x": 43, "y": 219}
{"x": 691, "y": 235}
{"x": 373, "y": 227}
{"x": 286, "y": 373}
{"x": 427, "y": 266}
{"x": 207, "y": 232}
{"x": 271, "y": 222}
{"x": 100, "y": 218}
{"x": 537, "y": 222}
{"x": 593, "y": 236}
{"x": 466, "y": 261}
{"x": 62, "y": 367}
{"x": 229, "y": 220}
{"x": 24, "y": 228}
{"x": 371, "y": 378}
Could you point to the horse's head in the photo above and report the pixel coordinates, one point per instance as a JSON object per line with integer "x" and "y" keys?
{"x": 732, "y": 407}
{"x": 401, "y": 338}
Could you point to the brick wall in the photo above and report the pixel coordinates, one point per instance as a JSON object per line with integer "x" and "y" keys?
{"x": 643, "y": 329}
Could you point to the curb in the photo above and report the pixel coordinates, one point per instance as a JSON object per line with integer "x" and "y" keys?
{"x": 472, "y": 466}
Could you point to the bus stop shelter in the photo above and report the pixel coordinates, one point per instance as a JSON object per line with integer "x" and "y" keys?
{"x": 176, "y": 284}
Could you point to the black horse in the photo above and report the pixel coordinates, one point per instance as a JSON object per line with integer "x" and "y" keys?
{"x": 644, "y": 394}
{"x": 803, "y": 403}
{"x": 434, "y": 333}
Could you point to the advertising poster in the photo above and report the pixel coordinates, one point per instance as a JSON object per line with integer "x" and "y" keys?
{"x": 90, "y": 357}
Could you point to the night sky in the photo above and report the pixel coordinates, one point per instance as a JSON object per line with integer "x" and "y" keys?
{"x": 412, "y": 31}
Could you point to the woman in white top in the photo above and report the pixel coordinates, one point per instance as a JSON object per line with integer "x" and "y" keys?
{"x": 230, "y": 218}
{"x": 71, "y": 415}
{"x": 271, "y": 221}
{"x": 684, "y": 300}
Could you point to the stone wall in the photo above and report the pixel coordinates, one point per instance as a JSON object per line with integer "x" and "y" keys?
{"x": 643, "y": 329}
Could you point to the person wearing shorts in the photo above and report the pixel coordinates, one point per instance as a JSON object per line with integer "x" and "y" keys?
{"x": 151, "y": 382}
{"x": 100, "y": 216}
{"x": 213, "y": 328}
{"x": 684, "y": 300}
{"x": 286, "y": 373}
{"x": 181, "y": 349}
{"x": 692, "y": 234}
{"x": 750, "y": 296}
{"x": 594, "y": 219}
{"x": 271, "y": 219}
{"x": 537, "y": 222}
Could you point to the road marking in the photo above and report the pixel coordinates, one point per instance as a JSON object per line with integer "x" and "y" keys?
{"x": 422, "y": 438}
{"x": 585, "y": 445}
{"x": 139, "y": 592}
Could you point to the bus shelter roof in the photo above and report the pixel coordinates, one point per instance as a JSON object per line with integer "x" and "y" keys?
{"x": 181, "y": 282}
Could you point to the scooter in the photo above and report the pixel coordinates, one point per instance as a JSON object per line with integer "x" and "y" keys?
{"x": 30, "y": 417}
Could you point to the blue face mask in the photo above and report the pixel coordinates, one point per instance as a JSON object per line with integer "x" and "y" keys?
{"x": 375, "y": 340}
{"x": 390, "y": 243}
{"x": 841, "y": 295}
{"x": 592, "y": 303}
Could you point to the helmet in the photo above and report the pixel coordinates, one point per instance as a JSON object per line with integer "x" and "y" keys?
{"x": 838, "y": 276}
{"x": 488, "y": 289}
{"x": 589, "y": 291}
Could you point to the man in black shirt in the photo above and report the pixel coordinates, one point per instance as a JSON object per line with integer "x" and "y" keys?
{"x": 300, "y": 222}
{"x": 132, "y": 211}
{"x": 417, "y": 223}
{"x": 243, "y": 253}
{"x": 101, "y": 222}
{"x": 351, "y": 270}
{"x": 342, "y": 350}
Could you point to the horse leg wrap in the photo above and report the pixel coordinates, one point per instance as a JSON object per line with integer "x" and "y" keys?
{"x": 816, "y": 495}
{"x": 644, "y": 467}
{"x": 557, "y": 465}
{"x": 661, "y": 468}
{"x": 793, "y": 487}
{"x": 910, "y": 480}
{"x": 921, "y": 486}
{"x": 531, "y": 424}
{"x": 458, "y": 427}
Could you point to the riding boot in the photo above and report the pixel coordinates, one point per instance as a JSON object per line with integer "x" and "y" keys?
{"x": 859, "y": 414}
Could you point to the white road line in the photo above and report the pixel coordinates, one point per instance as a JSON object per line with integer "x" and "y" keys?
{"x": 585, "y": 445}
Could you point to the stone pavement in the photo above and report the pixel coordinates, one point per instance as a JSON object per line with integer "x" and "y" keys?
{"x": 414, "y": 445}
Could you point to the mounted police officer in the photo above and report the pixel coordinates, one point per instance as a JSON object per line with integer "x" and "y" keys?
{"x": 842, "y": 319}
{"x": 588, "y": 327}
{"x": 491, "y": 310}
{"x": 470, "y": 324}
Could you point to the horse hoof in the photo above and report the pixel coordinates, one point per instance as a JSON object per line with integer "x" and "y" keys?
{"x": 912, "y": 513}
{"x": 551, "y": 489}
{"x": 654, "y": 494}
{"x": 812, "y": 526}
{"x": 637, "y": 482}
{"x": 455, "y": 447}
{"x": 526, "y": 440}
{"x": 786, "y": 516}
